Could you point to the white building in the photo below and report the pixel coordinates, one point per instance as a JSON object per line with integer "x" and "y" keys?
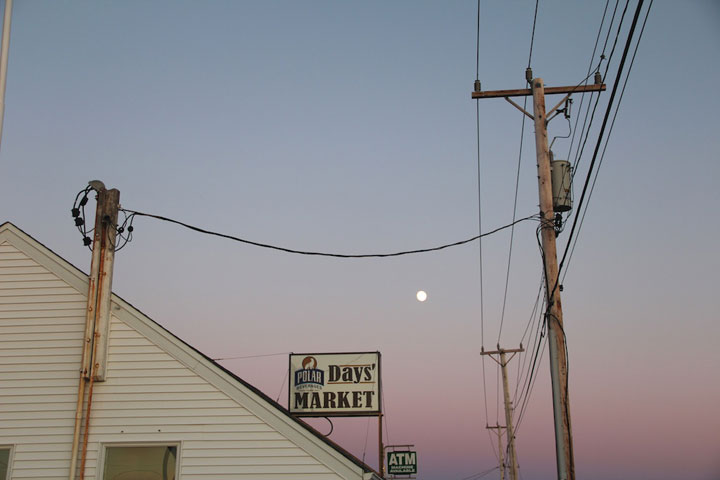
{"x": 165, "y": 411}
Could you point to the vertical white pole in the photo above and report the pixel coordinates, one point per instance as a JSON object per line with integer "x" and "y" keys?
{"x": 4, "y": 52}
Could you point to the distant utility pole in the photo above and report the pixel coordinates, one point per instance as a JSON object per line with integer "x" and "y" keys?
{"x": 553, "y": 314}
{"x": 510, "y": 433}
{"x": 501, "y": 455}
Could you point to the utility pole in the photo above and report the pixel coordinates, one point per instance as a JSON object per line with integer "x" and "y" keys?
{"x": 97, "y": 320}
{"x": 501, "y": 456}
{"x": 553, "y": 314}
{"x": 508, "y": 404}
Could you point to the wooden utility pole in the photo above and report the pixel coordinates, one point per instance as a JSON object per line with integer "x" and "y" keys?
{"x": 508, "y": 404}
{"x": 553, "y": 314}
{"x": 501, "y": 455}
{"x": 97, "y": 321}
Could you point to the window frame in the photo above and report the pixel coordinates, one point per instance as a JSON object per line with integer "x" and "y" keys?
{"x": 100, "y": 469}
{"x": 11, "y": 455}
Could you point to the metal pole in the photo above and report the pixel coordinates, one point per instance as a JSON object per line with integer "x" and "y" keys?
{"x": 508, "y": 418}
{"x": 554, "y": 317}
{"x": 4, "y": 53}
{"x": 381, "y": 452}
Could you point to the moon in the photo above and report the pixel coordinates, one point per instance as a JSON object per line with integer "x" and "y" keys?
{"x": 421, "y": 295}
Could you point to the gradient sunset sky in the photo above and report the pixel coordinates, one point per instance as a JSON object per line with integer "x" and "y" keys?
{"x": 348, "y": 127}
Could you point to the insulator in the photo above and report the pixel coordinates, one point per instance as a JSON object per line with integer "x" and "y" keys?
{"x": 87, "y": 241}
{"x": 598, "y": 78}
{"x": 75, "y": 212}
{"x": 79, "y": 221}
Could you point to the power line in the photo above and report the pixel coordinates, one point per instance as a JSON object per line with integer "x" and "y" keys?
{"x": 477, "y": 476}
{"x": 477, "y": 48}
{"x": 517, "y": 185}
{"x": 581, "y": 148}
{"x": 252, "y": 356}
{"x": 477, "y": 134}
{"x": 582, "y": 97}
{"x": 599, "y": 141}
{"x": 532, "y": 37}
{"x": 324, "y": 254}
{"x": 282, "y": 386}
{"x": 533, "y": 313}
{"x": 607, "y": 140}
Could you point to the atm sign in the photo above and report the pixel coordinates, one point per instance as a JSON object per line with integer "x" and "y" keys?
{"x": 402, "y": 463}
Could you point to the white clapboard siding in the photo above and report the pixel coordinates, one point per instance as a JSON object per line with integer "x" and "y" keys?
{"x": 158, "y": 390}
{"x": 41, "y": 330}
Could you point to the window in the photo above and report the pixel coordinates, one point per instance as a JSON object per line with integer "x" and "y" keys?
{"x": 155, "y": 462}
{"x": 4, "y": 462}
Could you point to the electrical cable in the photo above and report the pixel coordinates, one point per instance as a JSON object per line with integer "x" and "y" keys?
{"x": 325, "y": 254}
{"x": 532, "y": 36}
{"x": 512, "y": 229}
{"x": 477, "y": 45}
{"x": 530, "y": 379}
{"x": 592, "y": 60}
{"x": 482, "y": 321}
{"x": 599, "y": 142}
{"x": 282, "y": 386}
{"x": 251, "y": 356}
{"x": 479, "y": 475}
{"x": 526, "y": 400}
{"x": 586, "y": 132}
{"x": 367, "y": 431}
{"x": 477, "y": 130}
{"x": 522, "y": 364}
{"x": 529, "y": 367}
{"x": 602, "y": 155}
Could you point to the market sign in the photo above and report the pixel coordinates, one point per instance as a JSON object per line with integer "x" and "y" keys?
{"x": 334, "y": 384}
{"x": 402, "y": 463}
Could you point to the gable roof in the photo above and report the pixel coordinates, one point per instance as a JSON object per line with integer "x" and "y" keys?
{"x": 251, "y": 398}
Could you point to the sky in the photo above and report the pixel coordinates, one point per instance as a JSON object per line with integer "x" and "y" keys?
{"x": 348, "y": 127}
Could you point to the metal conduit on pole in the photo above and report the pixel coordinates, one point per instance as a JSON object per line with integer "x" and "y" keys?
{"x": 4, "y": 53}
